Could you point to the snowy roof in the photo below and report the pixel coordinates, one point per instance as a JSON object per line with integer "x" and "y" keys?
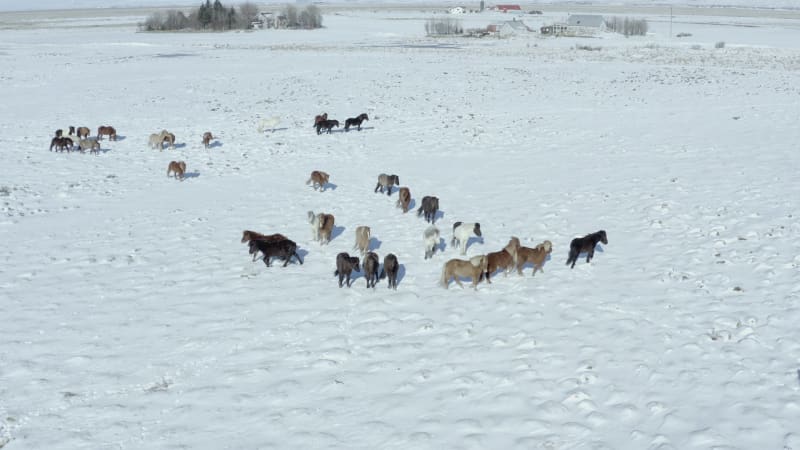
{"x": 585, "y": 20}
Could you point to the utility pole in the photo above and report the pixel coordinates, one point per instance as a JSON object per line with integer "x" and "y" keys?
{"x": 670, "y": 23}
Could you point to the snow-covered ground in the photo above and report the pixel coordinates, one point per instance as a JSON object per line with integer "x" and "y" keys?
{"x": 134, "y": 318}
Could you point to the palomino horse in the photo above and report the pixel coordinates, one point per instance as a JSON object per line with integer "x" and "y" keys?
{"x": 355, "y": 121}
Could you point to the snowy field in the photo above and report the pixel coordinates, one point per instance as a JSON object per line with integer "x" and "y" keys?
{"x": 134, "y": 318}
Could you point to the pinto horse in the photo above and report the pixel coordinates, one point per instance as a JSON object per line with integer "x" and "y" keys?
{"x": 326, "y": 125}
{"x": 355, "y": 121}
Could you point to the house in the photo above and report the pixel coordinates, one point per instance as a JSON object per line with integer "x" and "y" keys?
{"x": 457, "y": 10}
{"x": 586, "y": 23}
{"x": 507, "y": 8}
{"x": 508, "y": 28}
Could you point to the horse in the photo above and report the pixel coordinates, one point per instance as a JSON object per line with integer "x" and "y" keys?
{"x": 345, "y": 265}
{"x": 585, "y": 244}
{"x": 207, "y": 137}
{"x": 321, "y": 226}
{"x": 109, "y": 130}
{"x": 505, "y": 259}
{"x": 318, "y": 179}
{"x": 429, "y": 206}
{"x": 178, "y": 168}
{"x": 157, "y": 139}
{"x": 362, "y": 239}
{"x": 404, "y": 199}
{"x": 327, "y": 125}
{"x": 371, "y": 265}
{"x": 91, "y": 144}
{"x": 535, "y": 256}
{"x": 283, "y": 249}
{"x": 319, "y": 118}
{"x": 390, "y": 269}
{"x": 355, "y": 121}
{"x": 387, "y": 181}
{"x": 248, "y": 236}
{"x": 431, "y": 239}
{"x": 462, "y": 233}
{"x": 61, "y": 144}
{"x": 83, "y": 132}
{"x": 457, "y": 268}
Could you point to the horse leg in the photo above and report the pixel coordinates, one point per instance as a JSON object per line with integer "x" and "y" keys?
{"x": 389, "y": 190}
{"x": 377, "y": 186}
{"x": 590, "y": 254}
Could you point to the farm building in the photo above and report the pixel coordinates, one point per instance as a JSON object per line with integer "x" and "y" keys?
{"x": 555, "y": 29}
{"x": 457, "y": 10}
{"x": 507, "y": 8}
{"x": 509, "y": 27}
{"x": 586, "y": 23}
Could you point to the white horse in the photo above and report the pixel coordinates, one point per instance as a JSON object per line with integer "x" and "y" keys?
{"x": 314, "y": 220}
{"x": 431, "y": 239}
{"x": 268, "y": 124}
{"x": 462, "y": 232}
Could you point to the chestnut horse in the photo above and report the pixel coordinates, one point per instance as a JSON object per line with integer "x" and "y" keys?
{"x": 319, "y": 118}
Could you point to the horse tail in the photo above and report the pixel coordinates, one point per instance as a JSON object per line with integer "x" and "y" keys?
{"x": 336, "y": 272}
{"x": 382, "y": 275}
{"x": 419, "y": 211}
{"x": 443, "y": 280}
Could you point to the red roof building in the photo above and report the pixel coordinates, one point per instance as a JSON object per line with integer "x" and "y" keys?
{"x": 506, "y": 8}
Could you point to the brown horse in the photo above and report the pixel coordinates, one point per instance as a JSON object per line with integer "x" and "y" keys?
{"x": 61, "y": 144}
{"x": 404, "y": 199}
{"x": 318, "y": 179}
{"x": 83, "y": 132}
{"x": 109, "y": 130}
{"x": 319, "y": 118}
{"x": 327, "y": 125}
{"x": 207, "y": 137}
{"x": 178, "y": 168}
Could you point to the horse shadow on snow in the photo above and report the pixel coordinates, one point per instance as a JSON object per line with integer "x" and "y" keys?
{"x": 336, "y": 232}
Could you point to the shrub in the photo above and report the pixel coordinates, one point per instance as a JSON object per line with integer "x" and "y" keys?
{"x": 720, "y": 44}
{"x": 443, "y": 26}
{"x": 627, "y": 26}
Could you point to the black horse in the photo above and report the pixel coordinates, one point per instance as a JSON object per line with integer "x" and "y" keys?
{"x": 585, "y": 244}
{"x": 429, "y": 207}
{"x": 326, "y": 125}
{"x": 355, "y": 121}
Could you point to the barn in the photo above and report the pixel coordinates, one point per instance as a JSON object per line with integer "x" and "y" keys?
{"x": 507, "y": 8}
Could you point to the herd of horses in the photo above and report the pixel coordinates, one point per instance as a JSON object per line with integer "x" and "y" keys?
{"x": 478, "y": 268}
{"x": 321, "y": 122}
